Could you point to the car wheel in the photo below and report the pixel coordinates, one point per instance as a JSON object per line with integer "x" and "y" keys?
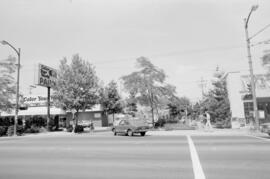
{"x": 129, "y": 133}
{"x": 142, "y": 133}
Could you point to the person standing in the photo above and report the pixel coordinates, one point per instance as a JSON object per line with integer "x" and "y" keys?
{"x": 91, "y": 126}
{"x": 208, "y": 125}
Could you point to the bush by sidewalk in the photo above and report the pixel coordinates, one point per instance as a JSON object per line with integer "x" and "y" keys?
{"x": 10, "y": 130}
{"x": 177, "y": 126}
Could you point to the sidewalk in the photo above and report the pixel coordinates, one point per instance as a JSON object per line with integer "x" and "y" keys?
{"x": 214, "y": 132}
{"x": 58, "y": 133}
{"x": 107, "y": 131}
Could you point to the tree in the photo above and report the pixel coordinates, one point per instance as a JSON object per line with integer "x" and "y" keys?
{"x": 77, "y": 86}
{"x": 266, "y": 63}
{"x": 111, "y": 100}
{"x": 176, "y": 105}
{"x": 7, "y": 83}
{"x": 266, "y": 59}
{"x": 217, "y": 101}
{"x": 131, "y": 104}
{"x": 148, "y": 85}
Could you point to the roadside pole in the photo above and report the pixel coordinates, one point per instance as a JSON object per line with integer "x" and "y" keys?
{"x": 252, "y": 78}
{"x": 48, "y": 108}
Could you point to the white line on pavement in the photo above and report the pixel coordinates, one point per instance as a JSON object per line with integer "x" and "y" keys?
{"x": 256, "y": 137}
{"x": 197, "y": 168}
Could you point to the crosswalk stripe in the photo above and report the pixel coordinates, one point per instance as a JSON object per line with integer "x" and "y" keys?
{"x": 197, "y": 168}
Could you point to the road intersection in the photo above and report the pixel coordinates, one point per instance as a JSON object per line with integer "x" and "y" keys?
{"x": 102, "y": 155}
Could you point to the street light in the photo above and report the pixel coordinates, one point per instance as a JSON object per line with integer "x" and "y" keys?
{"x": 18, "y": 82}
{"x": 254, "y": 100}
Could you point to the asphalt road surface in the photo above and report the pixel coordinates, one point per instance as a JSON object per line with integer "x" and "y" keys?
{"x": 96, "y": 156}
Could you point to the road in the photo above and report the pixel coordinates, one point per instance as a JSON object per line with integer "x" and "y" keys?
{"x": 103, "y": 156}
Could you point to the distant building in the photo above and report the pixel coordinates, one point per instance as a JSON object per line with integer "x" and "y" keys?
{"x": 239, "y": 93}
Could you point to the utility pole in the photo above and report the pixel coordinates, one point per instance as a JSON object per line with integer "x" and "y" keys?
{"x": 202, "y": 84}
{"x": 252, "y": 80}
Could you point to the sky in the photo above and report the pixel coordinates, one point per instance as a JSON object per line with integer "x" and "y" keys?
{"x": 188, "y": 39}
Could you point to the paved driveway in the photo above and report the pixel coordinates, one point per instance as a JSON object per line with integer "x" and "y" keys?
{"x": 151, "y": 157}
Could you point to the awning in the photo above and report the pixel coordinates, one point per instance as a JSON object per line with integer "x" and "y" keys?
{"x": 32, "y": 111}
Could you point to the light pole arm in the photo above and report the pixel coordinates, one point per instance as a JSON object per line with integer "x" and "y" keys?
{"x": 247, "y": 19}
{"x": 6, "y": 43}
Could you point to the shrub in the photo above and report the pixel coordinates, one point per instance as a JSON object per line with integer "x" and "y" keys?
{"x": 33, "y": 129}
{"x": 36, "y": 121}
{"x": 10, "y": 130}
{"x": 69, "y": 128}
{"x": 160, "y": 122}
{"x": 42, "y": 129}
{"x": 223, "y": 124}
{"x": 6, "y": 121}
{"x": 3, "y": 130}
{"x": 177, "y": 126}
{"x": 79, "y": 129}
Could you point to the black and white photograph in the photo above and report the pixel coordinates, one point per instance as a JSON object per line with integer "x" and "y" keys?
{"x": 134, "y": 89}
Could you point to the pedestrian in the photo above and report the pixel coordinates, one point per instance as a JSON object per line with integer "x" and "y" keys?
{"x": 208, "y": 125}
{"x": 91, "y": 126}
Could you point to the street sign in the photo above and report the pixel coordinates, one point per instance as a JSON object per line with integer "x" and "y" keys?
{"x": 46, "y": 76}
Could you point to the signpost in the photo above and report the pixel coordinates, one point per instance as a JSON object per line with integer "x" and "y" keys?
{"x": 47, "y": 77}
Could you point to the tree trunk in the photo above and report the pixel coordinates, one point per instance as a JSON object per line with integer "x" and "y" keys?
{"x": 113, "y": 117}
{"x": 152, "y": 109}
{"x": 73, "y": 124}
{"x": 75, "y": 120}
{"x": 153, "y": 119}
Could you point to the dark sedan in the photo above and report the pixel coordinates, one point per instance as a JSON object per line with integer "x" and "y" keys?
{"x": 130, "y": 127}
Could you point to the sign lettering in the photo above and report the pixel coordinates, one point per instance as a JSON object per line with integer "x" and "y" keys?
{"x": 46, "y": 76}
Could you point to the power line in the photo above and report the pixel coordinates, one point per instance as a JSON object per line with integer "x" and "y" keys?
{"x": 263, "y": 29}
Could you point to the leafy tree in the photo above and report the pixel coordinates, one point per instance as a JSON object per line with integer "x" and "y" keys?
{"x": 177, "y": 105}
{"x": 266, "y": 59}
{"x": 111, "y": 100}
{"x": 131, "y": 104}
{"x": 148, "y": 85}
{"x": 7, "y": 83}
{"x": 217, "y": 101}
{"x": 266, "y": 63}
{"x": 77, "y": 86}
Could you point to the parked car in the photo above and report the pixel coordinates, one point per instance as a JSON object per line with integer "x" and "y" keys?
{"x": 131, "y": 126}
{"x": 265, "y": 127}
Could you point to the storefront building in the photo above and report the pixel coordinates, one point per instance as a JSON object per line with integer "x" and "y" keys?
{"x": 37, "y": 106}
{"x": 241, "y": 104}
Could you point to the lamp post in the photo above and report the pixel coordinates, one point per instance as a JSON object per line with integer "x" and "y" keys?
{"x": 18, "y": 51}
{"x": 254, "y": 100}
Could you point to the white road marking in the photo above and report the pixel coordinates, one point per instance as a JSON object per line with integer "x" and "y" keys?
{"x": 197, "y": 168}
{"x": 261, "y": 138}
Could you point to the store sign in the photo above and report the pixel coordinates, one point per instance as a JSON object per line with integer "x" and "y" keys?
{"x": 262, "y": 82}
{"x": 36, "y": 101}
{"x": 46, "y": 76}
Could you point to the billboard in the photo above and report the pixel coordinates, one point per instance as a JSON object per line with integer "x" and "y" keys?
{"x": 46, "y": 76}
